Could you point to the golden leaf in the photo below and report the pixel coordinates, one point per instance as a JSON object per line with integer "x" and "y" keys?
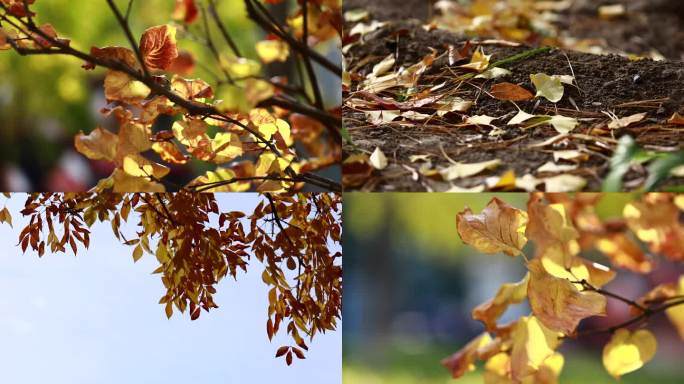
{"x": 626, "y": 352}
{"x": 499, "y": 228}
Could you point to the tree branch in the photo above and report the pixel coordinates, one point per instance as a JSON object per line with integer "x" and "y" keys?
{"x": 224, "y": 31}
{"x": 129, "y": 35}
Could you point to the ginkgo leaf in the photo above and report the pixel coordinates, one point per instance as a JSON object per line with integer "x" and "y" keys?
{"x": 378, "y": 159}
{"x": 498, "y": 228}
{"x": 549, "y": 87}
{"x": 626, "y": 352}
{"x": 158, "y": 47}
{"x": 100, "y": 144}
{"x": 509, "y": 293}
{"x": 462, "y": 170}
{"x": 557, "y": 302}
{"x": 532, "y": 344}
{"x": 479, "y": 62}
{"x": 562, "y": 124}
{"x": 463, "y": 361}
{"x": 272, "y": 50}
{"x": 520, "y": 118}
{"x": 510, "y": 91}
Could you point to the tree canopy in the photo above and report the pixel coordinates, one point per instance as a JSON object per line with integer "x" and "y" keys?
{"x": 197, "y": 245}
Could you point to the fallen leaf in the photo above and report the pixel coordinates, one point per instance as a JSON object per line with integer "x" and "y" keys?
{"x": 510, "y": 91}
{"x": 565, "y": 183}
{"x": 553, "y": 167}
{"x": 356, "y": 169}
{"x": 382, "y": 67}
{"x": 520, "y": 118}
{"x": 480, "y": 120}
{"x": 479, "y": 62}
{"x": 462, "y": 170}
{"x": 626, "y": 121}
{"x": 612, "y": 11}
{"x": 380, "y": 117}
{"x": 561, "y": 124}
{"x": 676, "y": 119}
{"x": 493, "y": 73}
{"x": 569, "y": 154}
{"x": 498, "y": 228}
{"x": 378, "y": 159}
{"x": 626, "y": 352}
{"x": 549, "y": 87}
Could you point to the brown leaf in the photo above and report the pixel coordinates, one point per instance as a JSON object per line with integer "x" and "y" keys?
{"x": 158, "y": 47}
{"x": 509, "y": 91}
{"x": 557, "y": 302}
{"x": 463, "y": 361}
{"x": 499, "y": 228}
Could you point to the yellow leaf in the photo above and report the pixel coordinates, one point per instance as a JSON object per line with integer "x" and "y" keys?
{"x": 122, "y": 182}
{"x": 137, "y": 253}
{"x": 272, "y": 50}
{"x": 549, "y": 227}
{"x": 240, "y": 67}
{"x": 549, "y": 87}
{"x": 479, "y": 62}
{"x": 557, "y": 302}
{"x": 499, "y": 228}
{"x": 119, "y": 86}
{"x": 463, "y": 361}
{"x": 99, "y": 144}
{"x": 462, "y": 170}
{"x": 533, "y": 344}
{"x": 226, "y": 146}
{"x": 626, "y": 352}
{"x": 136, "y": 165}
{"x": 490, "y": 311}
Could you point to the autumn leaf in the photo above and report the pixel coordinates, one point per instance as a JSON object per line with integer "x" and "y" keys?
{"x": 490, "y": 311}
{"x": 499, "y": 228}
{"x": 158, "y": 47}
{"x": 557, "y": 302}
{"x": 185, "y": 11}
{"x": 532, "y": 344}
{"x": 626, "y": 352}
{"x": 100, "y": 144}
{"x": 509, "y": 91}
{"x": 119, "y": 86}
{"x": 624, "y": 252}
{"x": 549, "y": 87}
{"x": 463, "y": 361}
{"x": 549, "y": 227}
{"x": 272, "y": 50}
{"x": 656, "y": 223}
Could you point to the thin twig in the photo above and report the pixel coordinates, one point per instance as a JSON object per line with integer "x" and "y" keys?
{"x": 129, "y": 35}
{"x": 223, "y": 29}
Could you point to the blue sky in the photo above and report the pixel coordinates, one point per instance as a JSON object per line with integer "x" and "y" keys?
{"x": 94, "y": 318}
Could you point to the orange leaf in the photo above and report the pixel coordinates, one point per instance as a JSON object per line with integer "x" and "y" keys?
{"x": 186, "y": 10}
{"x": 509, "y": 91}
{"x": 158, "y": 47}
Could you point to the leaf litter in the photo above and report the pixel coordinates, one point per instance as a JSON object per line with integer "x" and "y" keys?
{"x": 444, "y": 104}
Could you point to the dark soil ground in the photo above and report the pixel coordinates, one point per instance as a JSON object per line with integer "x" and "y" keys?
{"x": 604, "y": 83}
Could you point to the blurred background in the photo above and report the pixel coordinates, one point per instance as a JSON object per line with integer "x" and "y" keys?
{"x": 46, "y": 100}
{"x": 410, "y": 285}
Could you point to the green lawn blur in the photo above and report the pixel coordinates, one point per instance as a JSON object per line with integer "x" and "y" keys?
{"x": 423, "y": 367}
